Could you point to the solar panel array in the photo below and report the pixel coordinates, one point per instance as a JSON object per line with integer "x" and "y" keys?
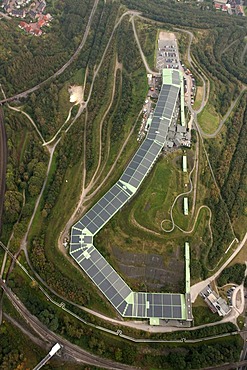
{"x": 105, "y": 208}
{"x": 127, "y": 302}
{"x": 162, "y": 305}
{"x": 141, "y": 163}
{"x": 163, "y": 113}
{"x": 176, "y": 78}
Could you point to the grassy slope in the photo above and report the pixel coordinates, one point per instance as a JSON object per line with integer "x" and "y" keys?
{"x": 208, "y": 119}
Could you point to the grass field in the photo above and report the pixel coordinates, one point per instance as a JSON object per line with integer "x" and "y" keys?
{"x": 199, "y": 96}
{"x": 241, "y": 256}
{"x": 208, "y": 119}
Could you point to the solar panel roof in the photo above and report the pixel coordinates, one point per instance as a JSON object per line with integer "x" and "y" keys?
{"x": 104, "y": 209}
{"x": 127, "y": 302}
{"x": 141, "y": 163}
{"x": 175, "y": 77}
{"x": 163, "y": 113}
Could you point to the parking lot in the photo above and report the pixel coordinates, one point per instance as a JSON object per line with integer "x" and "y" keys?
{"x": 168, "y": 57}
{"x": 167, "y": 52}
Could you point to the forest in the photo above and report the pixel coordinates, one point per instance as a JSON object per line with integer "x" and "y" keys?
{"x": 232, "y": 274}
{"x": 116, "y": 93}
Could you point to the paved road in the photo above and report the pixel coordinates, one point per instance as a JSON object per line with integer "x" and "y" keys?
{"x": 69, "y": 350}
{"x": 201, "y": 74}
{"x": 24, "y": 94}
{"x": 207, "y": 90}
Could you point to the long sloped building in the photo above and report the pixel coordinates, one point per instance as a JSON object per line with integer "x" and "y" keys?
{"x": 126, "y": 302}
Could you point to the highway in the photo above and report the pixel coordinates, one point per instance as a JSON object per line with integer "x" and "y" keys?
{"x": 69, "y": 350}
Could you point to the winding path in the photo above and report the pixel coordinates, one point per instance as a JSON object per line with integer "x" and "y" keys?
{"x": 224, "y": 119}
{"x": 195, "y": 166}
{"x": 194, "y": 64}
{"x": 148, "y": 69}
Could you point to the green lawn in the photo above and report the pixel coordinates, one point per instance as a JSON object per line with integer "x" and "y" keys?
{"x": 199, "y": 95}
{"x": 208, "y": 119}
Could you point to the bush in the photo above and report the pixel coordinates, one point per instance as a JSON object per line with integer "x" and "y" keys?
{"x": 232, "y": 274}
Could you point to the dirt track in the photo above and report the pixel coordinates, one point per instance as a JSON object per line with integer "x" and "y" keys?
{"x": 3, "y": 163}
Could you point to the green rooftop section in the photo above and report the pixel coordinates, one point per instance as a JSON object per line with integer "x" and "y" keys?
{"x": 154, "y": 321}
{"x": 167, "y": 76}
{"x": 130, "y": 298}
{"x": 129, "y": 186}
{"x": 183, "y": 123}
{"x": 187, "y": 267}
{"x": 183, "y": 307}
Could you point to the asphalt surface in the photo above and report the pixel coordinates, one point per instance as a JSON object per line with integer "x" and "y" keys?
{"x": 3, "y": 163}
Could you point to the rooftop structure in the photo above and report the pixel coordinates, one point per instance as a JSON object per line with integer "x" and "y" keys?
{"x": 185, "y": 169}
{"x": 125, "y": 301}
{"x": 186, "y": 206}
{"x": 215, "y": 302}
{"x": 187, "y": 268}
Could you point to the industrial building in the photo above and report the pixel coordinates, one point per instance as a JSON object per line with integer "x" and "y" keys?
{"x": 128, "y": 303}
{"x": 215, "y": 302}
